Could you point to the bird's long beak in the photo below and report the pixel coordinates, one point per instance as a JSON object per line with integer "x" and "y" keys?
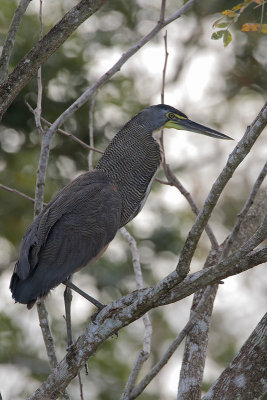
{"x": 188, "y": 125}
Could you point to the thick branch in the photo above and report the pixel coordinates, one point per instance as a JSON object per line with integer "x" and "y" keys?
{"x": 197, "y": 339}
{"x": 195, "y": 316}
{"x": 28, "y": 66}
{"x": 242, "y": 216}
{"x": 128, "y": 309}
{"x": 245, "y": 377}
{"x": 235, "y": 158}
{"x": 196, "y": 344}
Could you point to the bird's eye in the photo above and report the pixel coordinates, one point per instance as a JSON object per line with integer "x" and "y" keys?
{"x": 171, "y": 115}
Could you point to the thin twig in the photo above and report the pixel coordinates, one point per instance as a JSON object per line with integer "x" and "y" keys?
{"x": 67, "y": 302}
{"x": 195, "y": 315}
{"x": 165, "y": 37}
{"x": 169, "y": 174}
{"x": 244, "y": 211}
{"x": 70, "y": 135}
{"x": 47, "y": 336}
{"x": 91, "y": 133}
{"x": 15, "y": 191}
{"x": 38, "y": 109}
{"x": 145, "y": 352}
{"x": 162, "y": 10}
{"x": 174, "y": 181}
{"x": 163, "y": 86}
{"x": 10, "y": 39}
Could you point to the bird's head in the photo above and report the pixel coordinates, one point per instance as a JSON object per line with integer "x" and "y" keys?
{"x": 164, "y": 116}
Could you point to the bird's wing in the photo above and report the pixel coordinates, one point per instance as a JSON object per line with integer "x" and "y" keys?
{"x": 72, "y": 230}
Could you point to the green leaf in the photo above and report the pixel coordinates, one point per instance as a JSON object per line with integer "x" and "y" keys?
{"x": 222, "y": 25}
{"x": 227, "y": 38}
{"x": 218, "y": 35}
{"x": 217, "y": 22}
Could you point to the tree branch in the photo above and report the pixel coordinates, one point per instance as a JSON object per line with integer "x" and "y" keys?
{"x": 194, "y": 317}
{"x": 241, "y": 216}
{"x": 245, "y": 377}
{"x": 28, "y": 66}
{"x": 17, "y": 192}
{"x": 128, "y": 308}
{"x": 10, "y": 39}
{"x": 145, "y": 352}
{"x": 68, "y": 134}
{"x": 196, "y": 344}
{"x": 235, "y": 158}
{"x": 197, "y": 339}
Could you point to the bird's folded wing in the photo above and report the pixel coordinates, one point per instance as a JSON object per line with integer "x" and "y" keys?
{"x": 73, "y": 229}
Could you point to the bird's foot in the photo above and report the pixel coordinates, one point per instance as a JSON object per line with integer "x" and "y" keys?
{"x": 93, "y": 317}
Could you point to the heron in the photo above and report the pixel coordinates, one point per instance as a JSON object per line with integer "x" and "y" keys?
{"x": 76, "y": 227}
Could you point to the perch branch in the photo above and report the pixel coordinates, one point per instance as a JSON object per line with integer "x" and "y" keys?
{"x": 236, "y": 157}
{"x": 127, "y": 309}
{"x": 196, "y": 315}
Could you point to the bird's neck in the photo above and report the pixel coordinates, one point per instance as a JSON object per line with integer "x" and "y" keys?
{"x": 131, "y": 160}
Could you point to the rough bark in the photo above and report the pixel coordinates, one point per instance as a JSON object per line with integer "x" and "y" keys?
{"x": 127, "y": 309}
{"x": 246, "y": 377}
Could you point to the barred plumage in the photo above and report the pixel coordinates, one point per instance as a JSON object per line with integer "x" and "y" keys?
{"x": 75, "y": 228}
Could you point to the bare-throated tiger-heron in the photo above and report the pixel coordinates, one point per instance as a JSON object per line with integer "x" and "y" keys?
{"x": 76, "y": 227}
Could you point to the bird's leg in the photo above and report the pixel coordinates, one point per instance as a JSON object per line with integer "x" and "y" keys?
{"x": 67, "y": 301}
{"x": 97, "y": 303}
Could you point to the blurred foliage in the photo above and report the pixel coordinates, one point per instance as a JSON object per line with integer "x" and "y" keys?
{"x": 65, "y": 75}
{"x": 238, "y": 14}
